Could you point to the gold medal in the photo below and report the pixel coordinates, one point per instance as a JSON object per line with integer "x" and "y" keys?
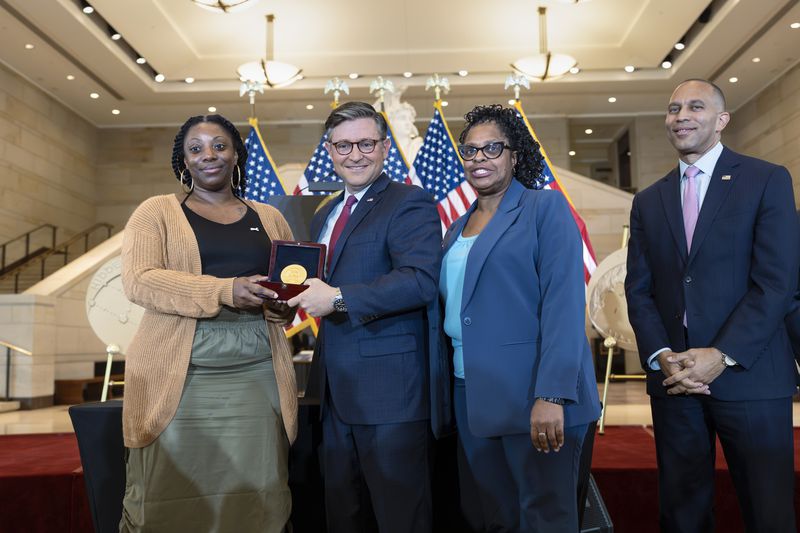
{"x": 293, "y": 274}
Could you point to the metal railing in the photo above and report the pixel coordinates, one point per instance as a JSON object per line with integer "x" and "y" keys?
{"x": 62, "y": 248}
{"x": 27, "y": 238}
{"x": 8, "y": 346}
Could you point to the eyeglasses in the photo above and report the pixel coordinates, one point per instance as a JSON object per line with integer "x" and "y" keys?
{"x": 365, "y": 146}
{"x": 490, "y": 151}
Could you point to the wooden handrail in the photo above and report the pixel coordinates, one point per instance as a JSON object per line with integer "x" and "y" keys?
{"x": 62, "y": 248}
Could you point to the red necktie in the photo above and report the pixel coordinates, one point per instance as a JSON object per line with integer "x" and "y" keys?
{"x": 344, "y": 216}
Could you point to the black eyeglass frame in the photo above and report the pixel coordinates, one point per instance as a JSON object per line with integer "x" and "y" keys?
{"x": 356, "y": 143}
{"x": 503, "y": 147}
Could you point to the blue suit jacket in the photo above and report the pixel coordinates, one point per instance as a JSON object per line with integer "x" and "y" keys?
{"x": 735, "y": 284}
{"x": 522, "y": 315}
{"x": 374, "y": 359}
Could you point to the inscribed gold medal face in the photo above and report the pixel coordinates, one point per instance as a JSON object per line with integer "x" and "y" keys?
{"x": 294, "y": 274}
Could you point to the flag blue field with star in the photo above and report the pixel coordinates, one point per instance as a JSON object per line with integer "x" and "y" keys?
{"x": 263, "y": 180}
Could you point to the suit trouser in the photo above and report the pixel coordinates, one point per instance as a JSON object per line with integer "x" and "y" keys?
{"x": 383, "y": 469}
{"x": 758, "y": 442}
{"x": 519, "y": 488}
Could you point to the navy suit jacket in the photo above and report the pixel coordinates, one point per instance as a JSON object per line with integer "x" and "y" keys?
{"x": 374, "y": 359}
{"x": 735, "y": 284}
{"x": 522, "y": 315}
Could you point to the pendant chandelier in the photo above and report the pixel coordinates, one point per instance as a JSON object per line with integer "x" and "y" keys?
{"x": 267, "y": 71}
{"x": 545, "y": 65}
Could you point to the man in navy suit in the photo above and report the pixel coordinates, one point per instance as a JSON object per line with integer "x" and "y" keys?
{"x": 378, "y": 382}
{"x": 712, "y": 268}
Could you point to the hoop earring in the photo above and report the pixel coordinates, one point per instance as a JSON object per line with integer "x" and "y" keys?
{"x": 185, "y": 182}
{"x": 235, "y": 186}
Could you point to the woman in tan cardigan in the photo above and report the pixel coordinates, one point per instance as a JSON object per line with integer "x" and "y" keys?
{"x": 210, "y": 398}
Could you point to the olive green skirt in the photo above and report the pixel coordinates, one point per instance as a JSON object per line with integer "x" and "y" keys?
{"x": 221, "y": 465}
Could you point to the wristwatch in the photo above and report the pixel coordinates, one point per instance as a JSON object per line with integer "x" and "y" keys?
{"x": 338, "y": 302}
{"x": 727, "y": 360}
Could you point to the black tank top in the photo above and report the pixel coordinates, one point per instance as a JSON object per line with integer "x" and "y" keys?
{"x": 233, "y": 250}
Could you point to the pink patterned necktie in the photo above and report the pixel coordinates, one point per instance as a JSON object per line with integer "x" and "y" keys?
{"x": 338, "y": 227}
{"x": 691, "y": 204}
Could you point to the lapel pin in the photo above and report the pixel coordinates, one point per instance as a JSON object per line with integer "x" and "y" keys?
{"x": 370, "y": 199}
{"x": 726, "y": 177}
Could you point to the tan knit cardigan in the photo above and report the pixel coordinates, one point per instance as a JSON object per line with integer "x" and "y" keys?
{"x": 161, "y": 271}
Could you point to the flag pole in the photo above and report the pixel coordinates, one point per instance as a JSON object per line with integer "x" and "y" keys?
{"x": 250, "y": 87}
{"x": 336, "y": 86}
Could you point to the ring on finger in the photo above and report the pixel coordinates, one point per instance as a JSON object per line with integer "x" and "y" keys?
{"x": 542, "y": 435}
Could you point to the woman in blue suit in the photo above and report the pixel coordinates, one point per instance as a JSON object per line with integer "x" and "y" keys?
{"x": 512, "y": 282}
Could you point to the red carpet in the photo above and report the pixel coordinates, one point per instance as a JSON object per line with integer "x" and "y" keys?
{"x": 42, "y": 488}
{"x": 624, "y": 467}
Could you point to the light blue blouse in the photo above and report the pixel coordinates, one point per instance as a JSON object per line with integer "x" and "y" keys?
{"x": 451, "y": 287}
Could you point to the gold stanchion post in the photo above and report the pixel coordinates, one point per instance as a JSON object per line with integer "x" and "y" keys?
{"x": 111, "y": 350}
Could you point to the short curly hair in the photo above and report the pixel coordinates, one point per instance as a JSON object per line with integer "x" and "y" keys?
{"x": 178, "y": 155}
{"x": 530, "y": 163}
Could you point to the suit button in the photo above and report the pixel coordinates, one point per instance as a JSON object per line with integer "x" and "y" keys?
{"x": 688, "y": 279}
{"x": 467, "y": 321}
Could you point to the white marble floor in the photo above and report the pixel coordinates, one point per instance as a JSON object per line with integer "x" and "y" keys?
{"x": 628, "y": 405}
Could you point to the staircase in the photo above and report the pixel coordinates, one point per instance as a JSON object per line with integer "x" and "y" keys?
{"x": 40, "y": 255}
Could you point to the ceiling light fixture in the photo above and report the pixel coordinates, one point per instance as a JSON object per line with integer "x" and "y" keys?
{"x": 588, "y": 131}
{"x": 309, "y": 106}
{"x": 212, "y": 109}
{"x": 70, "y": 77}
{"x": 268, "y": 72}
{"x": 407, "y": 74}
{"x": 218, "y": 6}
{"x": 445, "y": 103}
{"x": 574, "y": 70}
{"x": 629, "y": 68}
{"x": 666, "y": 64}
{"x": 141, "y": 60}
{"x": 115, "y": 111}
{"x": 571, "y": 152}
{"x": 545, "y": 65}
{"x": 512, "y": 102}
{"x": 733, "y": 79}
{"x": 463, "y": 73}
{"x": 612, "y": 99}
{"x": 159, "y": 78}
{"x": 116, "y": 36}
{"x": 87, "y": 9}
{"x": 756, "y": 60}
{"x": 794, "y": 25}
{"x": 29, "y": 46}
{"x": 94, "y": 96}
{"x": 679, "y": 46}
{"x": 189, "y": 80}
{"x": 353, "y": 75}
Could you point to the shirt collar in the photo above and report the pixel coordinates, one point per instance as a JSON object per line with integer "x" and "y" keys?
{"x": 706, "y": 163}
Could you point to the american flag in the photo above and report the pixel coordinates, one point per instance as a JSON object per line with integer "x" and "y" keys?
{"x": 552, "y": 182}
{"x": 438, "y": 166}
{"x": 320, "y": 167}
{"x": 263, "y": 179}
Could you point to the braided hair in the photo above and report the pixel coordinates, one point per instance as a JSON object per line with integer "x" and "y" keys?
{"x": 178, "y": 155}
{"x": 530, "y": 163}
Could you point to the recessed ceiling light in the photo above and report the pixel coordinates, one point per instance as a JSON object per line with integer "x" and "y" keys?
{"x": 574, "y": 70}
{"x": 571, "y": 152}
{"x": 189, "y": 80}
{"x": 29, "y": 46}
{"x": 463, "y": 73}
{"x": 212, "y": 109}
{"x": 666, "y": 64}
{"x": 115, "y": 111}
{"x": 94, "y": 96}
{"x": 588, "y": 131}
{"x": 612, "y": 99}
{"x": 444, "y": 103}
{"x": 679, "y": 46}
{"x": 794, "y": 25}
{"x": 353, "y": 75}
{"x": 116, "y": 36}
{"x": 407, "y": 74}
{"x": 310, "y": 106}
{"x": 88, "y": 10}
{"x": 629, "y": 68}
{"x": 733, "y": 79}
{"x": 756, "y": 60}
{"x": 159, "y": 78}
{"x": 141, "y": 60}
{"x": 70, "y": 77}
{"x": 512, "y": 102}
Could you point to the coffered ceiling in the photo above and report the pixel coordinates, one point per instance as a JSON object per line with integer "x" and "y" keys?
{"x": 379, "y": 37}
